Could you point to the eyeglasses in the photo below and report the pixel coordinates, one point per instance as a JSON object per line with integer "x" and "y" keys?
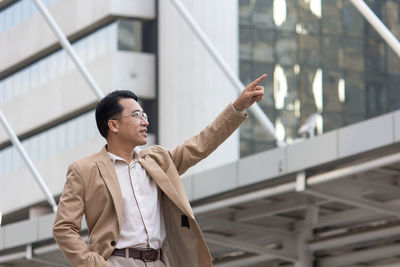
{"x": 138, "y": 115}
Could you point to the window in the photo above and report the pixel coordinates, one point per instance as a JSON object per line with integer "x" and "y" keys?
{"x": 129, "y": 35}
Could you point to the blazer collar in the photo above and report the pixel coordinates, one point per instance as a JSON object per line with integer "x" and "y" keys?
{"x": 162, "y": 180}
{"x": 108, "y": 174}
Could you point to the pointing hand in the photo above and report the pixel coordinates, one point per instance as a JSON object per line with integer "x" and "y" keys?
{"x": 251, "y": 93}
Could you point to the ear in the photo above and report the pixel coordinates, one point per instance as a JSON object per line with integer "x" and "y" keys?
{"x": 113, "y": 126}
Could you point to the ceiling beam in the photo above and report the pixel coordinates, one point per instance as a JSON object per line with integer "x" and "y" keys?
{"x": 246, "y": 261}
{"x": 346, "y": 217}
{"x": 12, "y": 256}
{"x": 266, "y": 210}
{"x": 353, "y": 201}
{"x": 241, "y": 227}
{"x": 48, "y": 262}
{"x": 366, "y": 256}
{"x": 245, "y": 246}
{"x": 397, "y": 264}
{"x": 375, "y": 186}
{"x": 353, "y": 238}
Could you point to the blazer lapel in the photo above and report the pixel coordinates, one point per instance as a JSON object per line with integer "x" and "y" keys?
{"x": 162, "y": 180}
{"x": 110, "y": 178}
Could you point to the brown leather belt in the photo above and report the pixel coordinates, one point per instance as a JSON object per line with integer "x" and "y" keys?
{"x": 144, "y": 254}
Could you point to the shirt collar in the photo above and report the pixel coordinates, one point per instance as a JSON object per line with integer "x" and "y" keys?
{"x": 114, "y": 157}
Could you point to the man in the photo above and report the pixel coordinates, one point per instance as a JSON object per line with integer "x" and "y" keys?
{"x": 135, "y": 206}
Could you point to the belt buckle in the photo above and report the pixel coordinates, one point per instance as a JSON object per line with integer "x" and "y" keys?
{"x": 148, "y": 253}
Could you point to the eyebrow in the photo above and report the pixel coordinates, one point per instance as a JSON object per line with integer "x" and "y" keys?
{"x": 136, "y": 111}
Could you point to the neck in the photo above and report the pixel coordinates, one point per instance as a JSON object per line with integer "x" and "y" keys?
{"x": 120, "y": 150}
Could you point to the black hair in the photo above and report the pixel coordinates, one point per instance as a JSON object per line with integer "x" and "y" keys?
{"x": 108, "y": 107}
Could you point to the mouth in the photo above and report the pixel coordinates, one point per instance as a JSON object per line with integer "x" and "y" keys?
{"x": 144, "y": 131}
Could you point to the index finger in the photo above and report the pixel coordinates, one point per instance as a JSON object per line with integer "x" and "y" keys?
{"x": 258, "y": 80}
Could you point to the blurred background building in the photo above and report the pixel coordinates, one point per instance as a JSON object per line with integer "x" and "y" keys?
{"x": 327, "y": 68}
{"x": 324, "y": 57}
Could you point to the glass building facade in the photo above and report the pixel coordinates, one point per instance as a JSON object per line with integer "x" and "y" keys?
{"x": 322, "y": 58}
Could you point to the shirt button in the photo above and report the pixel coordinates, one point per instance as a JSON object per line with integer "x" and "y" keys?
{"x": 113, "y": 243}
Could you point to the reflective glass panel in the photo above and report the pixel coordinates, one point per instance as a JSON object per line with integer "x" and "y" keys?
{"x": 323, "y": 59}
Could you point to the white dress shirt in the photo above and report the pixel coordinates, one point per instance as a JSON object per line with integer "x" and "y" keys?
{"x": 142, "y": 218}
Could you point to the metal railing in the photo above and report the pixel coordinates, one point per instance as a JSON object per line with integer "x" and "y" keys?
{"x": 378, "y": 25}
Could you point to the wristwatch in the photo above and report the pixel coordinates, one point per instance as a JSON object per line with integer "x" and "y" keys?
{"x": 241, "y": 112}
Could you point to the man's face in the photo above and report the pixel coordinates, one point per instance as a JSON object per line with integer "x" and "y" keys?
{"x": 132, "y": 130}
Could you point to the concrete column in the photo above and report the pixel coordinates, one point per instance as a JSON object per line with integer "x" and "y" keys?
{"x": 304, "y": 254}
{"x": 193, "y": 90}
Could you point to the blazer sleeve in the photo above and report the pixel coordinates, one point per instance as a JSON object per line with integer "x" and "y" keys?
{"x": 67, "y": 224}
{"x": 203, "y": 144}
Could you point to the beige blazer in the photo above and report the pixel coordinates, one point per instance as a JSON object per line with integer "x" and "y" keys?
{"x": 92, "y": 189}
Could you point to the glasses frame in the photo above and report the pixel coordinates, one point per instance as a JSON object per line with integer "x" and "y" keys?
{"x": 137, "y": 114}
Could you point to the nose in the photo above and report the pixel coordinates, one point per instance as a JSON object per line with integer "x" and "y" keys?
{"x": 144, "y": 122}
